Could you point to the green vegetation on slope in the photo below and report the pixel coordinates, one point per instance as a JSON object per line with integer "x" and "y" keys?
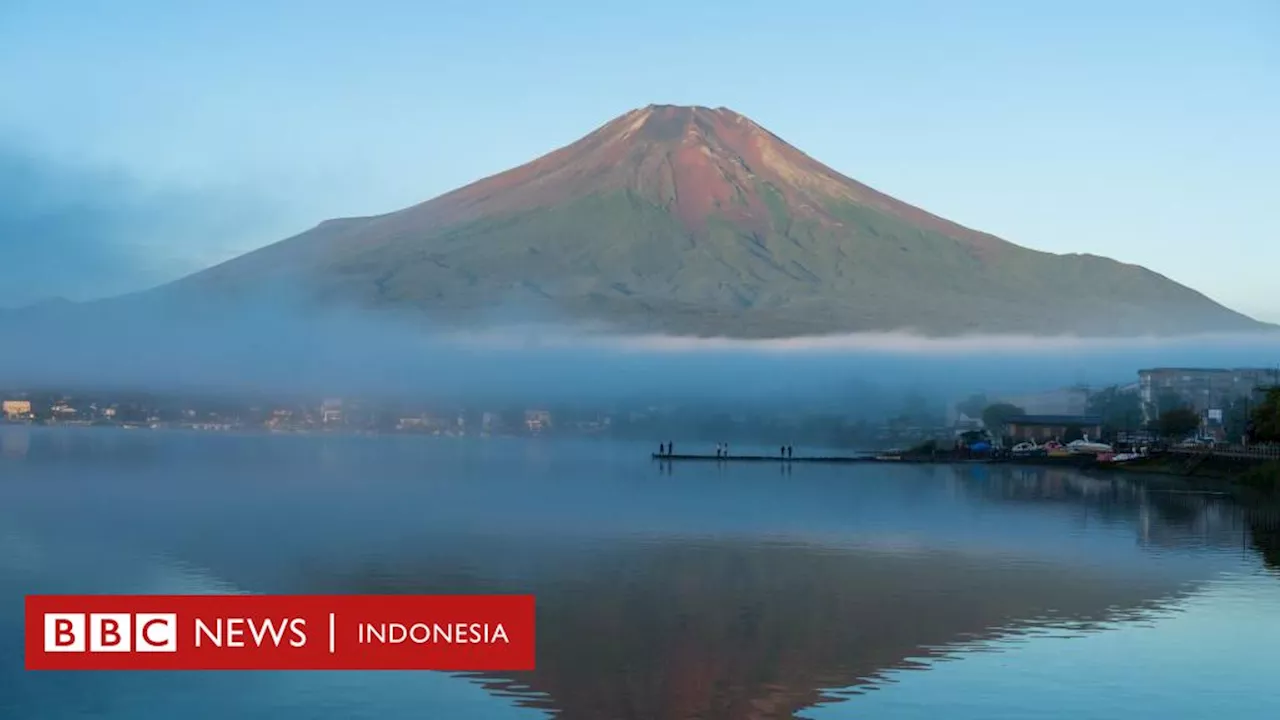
{"x": 623, "y": 258}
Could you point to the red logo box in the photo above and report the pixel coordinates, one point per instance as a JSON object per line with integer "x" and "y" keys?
{"x": 280, "y": 632}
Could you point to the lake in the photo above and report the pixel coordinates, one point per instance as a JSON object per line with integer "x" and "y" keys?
{"x": 690, "y": 591}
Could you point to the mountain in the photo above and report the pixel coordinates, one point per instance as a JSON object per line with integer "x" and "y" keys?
{"x": 694, "y": 220}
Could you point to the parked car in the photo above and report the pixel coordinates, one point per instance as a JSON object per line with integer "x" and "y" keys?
{"x": 1027, "y": 449}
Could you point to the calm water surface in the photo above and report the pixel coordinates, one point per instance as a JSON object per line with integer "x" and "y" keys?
{"x": 745, "y": 591}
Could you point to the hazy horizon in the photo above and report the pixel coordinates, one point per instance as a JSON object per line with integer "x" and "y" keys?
{"x": 260, "y": 345}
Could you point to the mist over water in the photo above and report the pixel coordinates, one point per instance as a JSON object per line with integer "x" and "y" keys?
{"x": 245, "y": 344}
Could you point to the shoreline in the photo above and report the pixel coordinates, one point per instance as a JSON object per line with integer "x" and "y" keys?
{"x": 1257, "y": 476}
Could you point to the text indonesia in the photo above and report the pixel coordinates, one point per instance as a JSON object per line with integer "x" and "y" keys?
{"x": 280, "y": 632}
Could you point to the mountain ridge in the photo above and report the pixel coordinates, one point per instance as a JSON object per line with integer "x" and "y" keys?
{"x": 694, "y": 220}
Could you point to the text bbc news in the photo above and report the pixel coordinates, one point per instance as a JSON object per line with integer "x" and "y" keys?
{"x": 263, "y": 632}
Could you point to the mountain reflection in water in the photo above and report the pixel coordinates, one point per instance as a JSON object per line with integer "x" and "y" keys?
{"x": 717, "y": 629}
{"x": 708, "y": 593}
{"x": 728, "y": 630}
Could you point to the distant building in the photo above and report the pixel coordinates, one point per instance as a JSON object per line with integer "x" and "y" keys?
{"x": 331, "y": 411}
{"x": 597, "y": 424}
{"x": 425, "y": 422}
{"x": 1064, "y": 401}
{"x": 62, "y": 409}
{"x": 16, "y": 409}
{"x": 537, "y": 420}
{"x": 1203, "y": 389}
{"x": 1042, "y": 428}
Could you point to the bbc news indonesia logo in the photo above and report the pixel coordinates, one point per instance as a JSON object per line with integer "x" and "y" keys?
{"x": 280, "y": 632}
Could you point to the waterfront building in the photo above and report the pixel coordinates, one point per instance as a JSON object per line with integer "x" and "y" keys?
{"x": 1208, "y": 391}
{"x": 1042, "y": 428}
{"x": 16, "y": 409}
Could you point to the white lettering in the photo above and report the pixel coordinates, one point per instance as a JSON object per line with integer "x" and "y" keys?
{"x": 298, "y": 627}
{"x": 235, "y": 632}
{"x": 214, "y": 637}
{"x": 234, "y": 629}
{"x": 424, "y": 633}
{"x": 269, "y": 627}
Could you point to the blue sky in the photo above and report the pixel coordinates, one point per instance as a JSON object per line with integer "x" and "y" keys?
{"x": 142, "y": 140}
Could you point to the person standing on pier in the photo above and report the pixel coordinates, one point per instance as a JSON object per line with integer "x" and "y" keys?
{"x": 662, "y": 450}
{"x": 671, "y": 448}
{"x": 717, "y": 451}
{"x": 791, "y": 451}
{"x": 782, "y": 451}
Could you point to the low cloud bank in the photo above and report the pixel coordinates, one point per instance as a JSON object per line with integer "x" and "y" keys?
{"x": 871, "y": 342}
{"x": 247, "y": 346}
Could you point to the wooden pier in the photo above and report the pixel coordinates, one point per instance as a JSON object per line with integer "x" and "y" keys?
{"x": 830, "y": 459}
{"x": 1178, "y": 462}
{"x": 940, "y": 458}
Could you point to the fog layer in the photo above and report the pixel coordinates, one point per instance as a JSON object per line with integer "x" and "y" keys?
{"x": 259, "y": 344}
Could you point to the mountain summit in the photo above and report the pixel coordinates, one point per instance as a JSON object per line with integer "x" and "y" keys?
{"x": 696, "y": 220}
